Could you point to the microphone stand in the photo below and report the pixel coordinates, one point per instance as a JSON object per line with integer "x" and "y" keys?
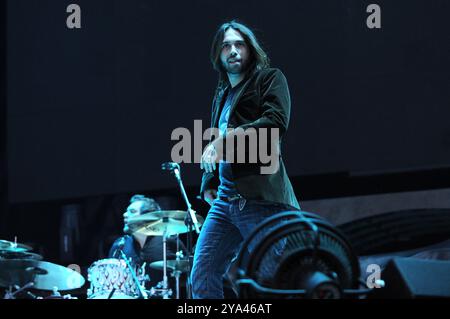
{"x": 190, "y": 220}
{"x": 133, "y": 274}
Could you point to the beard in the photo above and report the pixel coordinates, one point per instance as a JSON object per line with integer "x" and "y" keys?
{"x": 236, "y": 68}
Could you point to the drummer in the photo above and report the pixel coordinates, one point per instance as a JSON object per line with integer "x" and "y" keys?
{"x": 141, "y": 248}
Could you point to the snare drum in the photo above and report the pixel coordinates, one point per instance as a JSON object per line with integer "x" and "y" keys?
{"x": 108, "y": 274}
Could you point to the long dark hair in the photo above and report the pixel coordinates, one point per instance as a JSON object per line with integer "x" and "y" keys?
{"x": 258, "y": 57}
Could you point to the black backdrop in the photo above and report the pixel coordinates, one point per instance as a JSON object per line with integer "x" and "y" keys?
{"x": 91, "y": 111}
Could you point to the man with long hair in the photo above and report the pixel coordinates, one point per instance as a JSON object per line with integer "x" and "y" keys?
{"x": 250, "y": 97}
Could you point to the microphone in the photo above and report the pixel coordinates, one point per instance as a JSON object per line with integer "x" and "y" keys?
{"x": 173, "y": 167}
{"x": 169, "y": 165}
{"x": 120, "y": 245}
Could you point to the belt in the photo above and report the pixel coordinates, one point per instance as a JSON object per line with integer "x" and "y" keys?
{"x": 230, "y": 198}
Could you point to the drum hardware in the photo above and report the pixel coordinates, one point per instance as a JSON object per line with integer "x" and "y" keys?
{"x": 191, "y": 219}
{"x": 163, "y": 286}
{"x": 144, "y": 276}
{"x": 157, "y": 222}
{"x": 177, "y": 272}
{"x": 112, "y": 279}
{"x": 111, "y": 293}
{"x": 141, "y": 290}
{"x": 13, "y": 247}
{"x": 181, "y": 265}
{"x": 4, "y": 254}
{"x": 43, "y": 275}
{"x": 177, "y": 267}
{"x": 21, "y": 270}
{"x": 55, "y": 292}
{"x": 159, "y": 291}
{"x": 9, "y": 294}
{"x": 57, "y": 295}
{"x": 31, "y": 295}
{"x": 18, "y": 266}
{"x": 163, "y": 223}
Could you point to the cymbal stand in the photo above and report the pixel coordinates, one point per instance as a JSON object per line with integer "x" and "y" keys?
{"x": 166, "y": 292}
{"x": 162, "y": 288}
{"x": 177, "y": 273}
{"x": 165, "y": 280}
{"x": 12, "y": 295}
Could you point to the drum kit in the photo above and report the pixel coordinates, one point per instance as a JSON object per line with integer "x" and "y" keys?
{"x": 112, "y": 278}
{"x": 119, "y": 279}
{"x": 21, "y": 270}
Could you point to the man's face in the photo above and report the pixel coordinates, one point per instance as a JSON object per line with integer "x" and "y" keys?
{"x": 235, "y": 52}
{"x": 134, "y": 209}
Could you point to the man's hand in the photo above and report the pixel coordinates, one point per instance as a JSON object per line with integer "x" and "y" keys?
{"x": 209, "y": 158}
{"x": 210, "y": 195}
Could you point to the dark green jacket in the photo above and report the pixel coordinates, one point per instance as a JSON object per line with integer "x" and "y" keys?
{"x": 262, "y": 101}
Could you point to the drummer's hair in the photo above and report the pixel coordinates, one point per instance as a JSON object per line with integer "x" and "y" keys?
{"x": 150, "y": 204}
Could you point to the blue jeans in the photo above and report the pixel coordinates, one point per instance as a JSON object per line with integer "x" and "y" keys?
{"x": 227, "y": 225}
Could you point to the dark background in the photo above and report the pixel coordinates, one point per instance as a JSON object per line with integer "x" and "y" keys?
{"x": 88, "y": 112}
{"x": 91, "y": 110}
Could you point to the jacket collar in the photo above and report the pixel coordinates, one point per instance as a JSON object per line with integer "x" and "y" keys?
{"x": 240, "y": 90}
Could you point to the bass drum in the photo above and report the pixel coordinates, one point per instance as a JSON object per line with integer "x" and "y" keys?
{"x": 111, "y": 279}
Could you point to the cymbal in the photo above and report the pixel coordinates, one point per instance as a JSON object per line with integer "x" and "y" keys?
{"x": 159, "y": 214}
{"x": 13, "y": 247}
{"x": 175, "y": 265}
{"x": 157, "y": 222}
{"x": 44, "y": 275}
{"x": 19, "y": 255}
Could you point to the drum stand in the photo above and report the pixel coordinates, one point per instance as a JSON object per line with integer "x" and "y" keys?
{"x": 12, "y": 295}
{"x": 177, "y": 273}
{"x": 165, "y": 289}
{"x": 162, "y": 289}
